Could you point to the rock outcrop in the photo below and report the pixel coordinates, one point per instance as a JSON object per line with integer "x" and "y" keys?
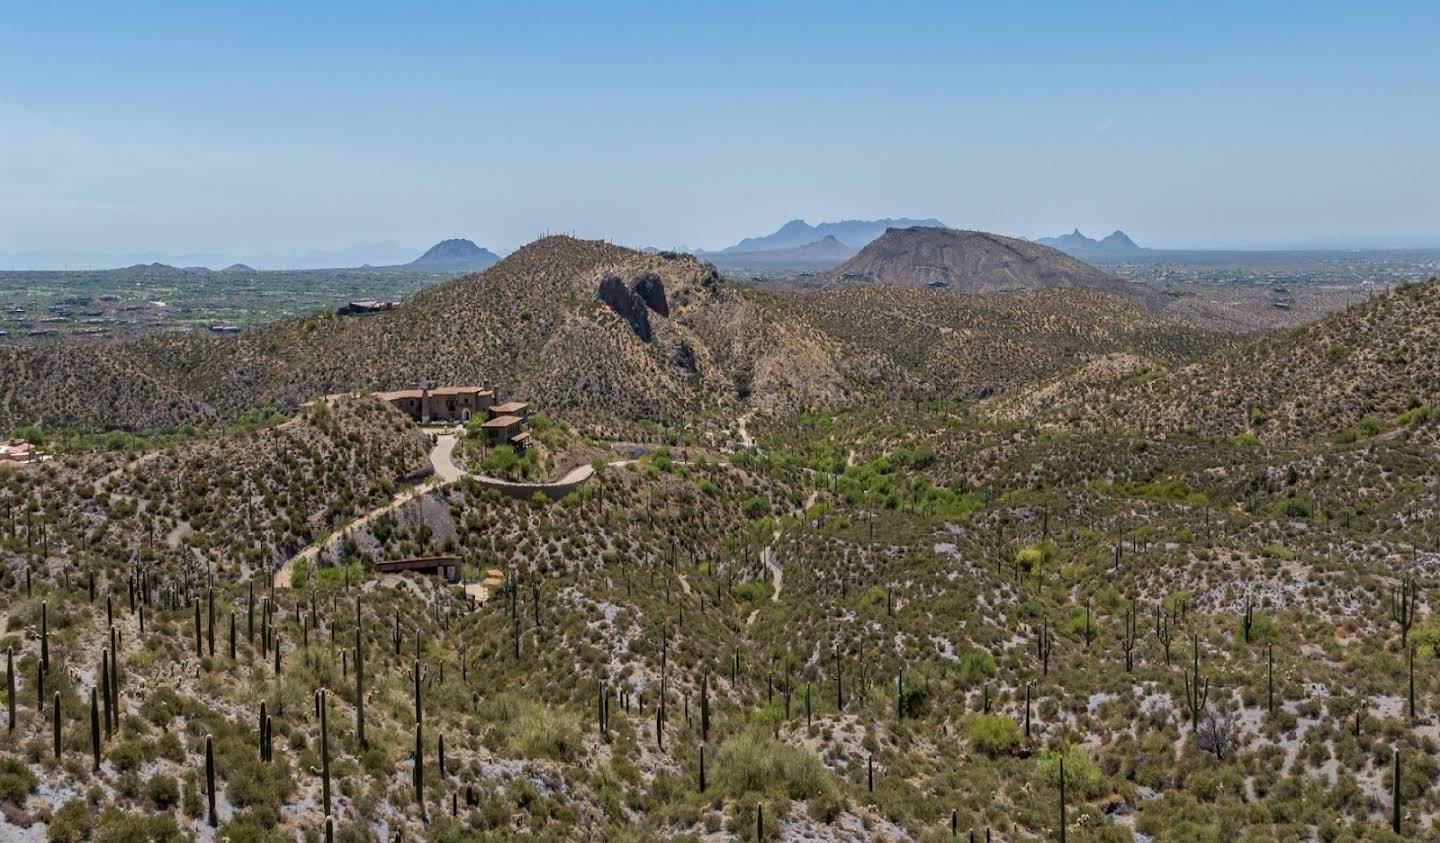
{"x": 633, "y": 300}
{"x": 651, "y": 290}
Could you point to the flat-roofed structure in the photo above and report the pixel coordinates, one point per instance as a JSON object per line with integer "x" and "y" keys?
{"x": 446, "y": 566}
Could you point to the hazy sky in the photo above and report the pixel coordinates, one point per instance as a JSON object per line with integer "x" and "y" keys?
{"x": 265, "y": 130}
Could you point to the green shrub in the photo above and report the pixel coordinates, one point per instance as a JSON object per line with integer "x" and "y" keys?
{"x": 163, "y": 790}
{"x": 752, "y": 592}
{"x": 974, "y": 665}
{"x": 753, "y": 762}
{"x": 1082, "y": 778}
{"x": 71, "y": 823}
{"x": 993, "y": 734}
{"x": 117, "y": 826}
{"x": 16, "y": 780}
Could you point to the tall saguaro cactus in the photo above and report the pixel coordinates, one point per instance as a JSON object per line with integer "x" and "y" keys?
{"x": 1402, "y": 608}
{"x": 57, "y": 725}
{"x": 359, "y": 680}
{"x": 45, "y": 637}
{"x": 213, "y": 818}
{"x": 418, "y": 773}
{"x": 1196, "y": 689}
{"x": 10, "y": 683}
{"x": 1062, "y": 800}
{"x": 95, "y": 728}
{"x": 325, "y": 750}
{"x": 1395, "y": 792}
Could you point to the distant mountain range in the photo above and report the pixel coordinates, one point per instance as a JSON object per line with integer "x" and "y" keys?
{"x": 1075, "y": 243}
{"x": 821, "y": 254}
{"x": 455, "y": 255}
{"x": 856, "y": 234}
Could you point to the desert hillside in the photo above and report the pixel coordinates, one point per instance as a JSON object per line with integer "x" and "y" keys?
{"x": 1359, "y": 370}
{"x": 607, "y": 336}
{"x": 942, "y": 344}
{"x": 965, "y": 261}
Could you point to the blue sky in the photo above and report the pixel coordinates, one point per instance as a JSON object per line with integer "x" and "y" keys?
{"x": 269, "y": 130}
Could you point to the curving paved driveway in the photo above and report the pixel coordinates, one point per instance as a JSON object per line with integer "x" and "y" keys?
{"x": 446, "y": 473}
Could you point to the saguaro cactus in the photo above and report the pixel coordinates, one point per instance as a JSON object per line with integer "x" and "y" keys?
{"x": 705, "y": 707}
{"x": 95, "y": 729}
{"x": 56, "y": 727}
{"x": 1247, "y": 620}
{"x": 1196, "y": 690}
{"x": 1402, "y": 608}
{"x": 264, "y": 755}
{"x": 1129, "y": 637}
{"x": 1045, "y": 645}
{"x": 45, "y": 636}
{"x": 1270, "y": 679}
{"x": 359, "y": 680}
{"x": 1411, "y": 655}
{"x": 325, "y": 751}
{"x": 1395, "y": 791}
{"x": 417, "y": 775}
{"x": 214, "y": 819}
{"x": 10, "y": 683}
{"x": 105, "y": 680}
{"x": 1027, "y": 710}
{"x": 1163, "y": 633}
{"x": 1062, "y": 800}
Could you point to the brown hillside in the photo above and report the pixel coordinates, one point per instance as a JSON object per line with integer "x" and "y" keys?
{"x": 965, "y": 261}
{"x": 936, "y": 343}
{"x": 532, "y": 325}
{"x": 1377, "y": 359}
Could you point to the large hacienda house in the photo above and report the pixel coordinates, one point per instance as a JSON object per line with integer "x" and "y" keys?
{"x": 504, "y": 423}
{"x": 443, "y": 403}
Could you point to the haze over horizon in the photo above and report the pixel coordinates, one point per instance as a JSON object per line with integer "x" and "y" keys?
{"x": 232, "y": 133}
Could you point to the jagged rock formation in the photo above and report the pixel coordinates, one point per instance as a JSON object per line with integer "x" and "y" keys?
{"x": 623, "y": 299}
{"x": 651, "y": 290}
